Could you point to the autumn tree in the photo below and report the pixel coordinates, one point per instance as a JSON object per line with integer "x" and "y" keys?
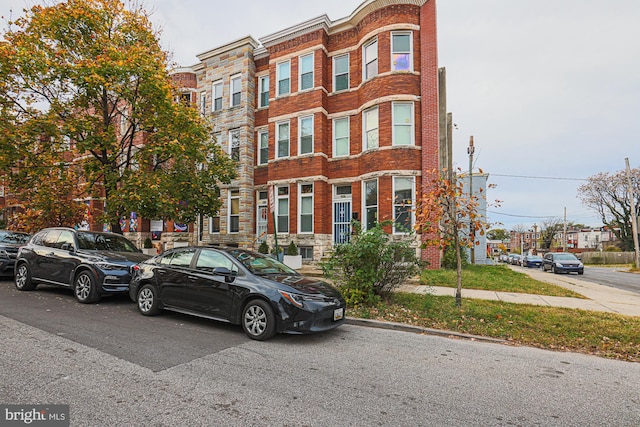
{"x": 88, "y": 76}
{"x": 445, "y": 215}
{"x": 549, "y": 229}
{"x": 608, "y": 195}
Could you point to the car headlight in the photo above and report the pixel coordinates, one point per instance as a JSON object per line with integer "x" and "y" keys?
{"x": 295, "y": 299}
{"x": 110, "y": 266}
{"x": 4, "y": 254}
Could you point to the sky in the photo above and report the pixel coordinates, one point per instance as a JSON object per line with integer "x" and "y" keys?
{"x": 549, "y": 89}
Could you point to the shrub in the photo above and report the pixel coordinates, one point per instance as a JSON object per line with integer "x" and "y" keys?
{"x": 449, "y": 258}
{"x": 147, "y": 243}
{"x": 370, "y": 265}
{"x": 263, "y": 248}
{"x": 292, "y": 249}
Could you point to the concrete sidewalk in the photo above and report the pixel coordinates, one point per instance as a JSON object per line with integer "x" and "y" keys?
{"x": 598, "y": 297}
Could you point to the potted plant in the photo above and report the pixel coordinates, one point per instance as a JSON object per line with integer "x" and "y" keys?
{"x": 147, "y": 247}
{"x": 293, "y": 258}
{"x": 263, "y": 248}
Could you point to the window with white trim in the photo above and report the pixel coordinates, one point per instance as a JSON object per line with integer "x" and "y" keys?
{"x": 403, "y": 197}
{"x": 216, "y": 90}
{"x": 401, "y": 51}
{"x": 305, "y": 131}
{"x": 370, "y": 195}
{"x": 234, "y": 210}
{"x": 282, "y": 137}
{"x": 370, "y": 60}
{"x": 283, "y": 76}
{"x": 403, "y": 129}
{"x": 305, "y": 65}
{"x": 263, "y": 153}
{"x": 341, "y": 72}
{"x": 370, "y": 128}
{"x": 305, "y": 221}
{"x": 282, "y": 207}
{"x": 236, "y": 90}
{"x": 341, "y": 137}
{"x": 214, "y": 221}
{"x": 263, "y": 89}
{"x": 234, "y": 144}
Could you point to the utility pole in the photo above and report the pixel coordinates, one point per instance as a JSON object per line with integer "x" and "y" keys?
{"x": 472, "y": 232}
{"x": 634, "y": 217}
{"x": 564, "y": 236}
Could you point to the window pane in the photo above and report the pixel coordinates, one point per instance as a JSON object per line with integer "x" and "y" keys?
{"x": 307, "y": 81}
{"x": 341, "y": 64}
{"x": 306, "y": 205}
{"x": 371, "y": 197}
{"x": 234, "y": 224}
{"x": 401, "y": 61}
{"x": 283, "y": 71}
{"x": 306, "y": 65}
{"x": 402, "y": 113}
{"x": 402, "y": 135}
{"x": 283, "y": 87}
{"x": 402, "y": 219}
{"x": 371, "y": 52}
{"x": 306, "y": 223}
{"x": 342, "y": 82}
{"x": 372, "y": 217}
{"x": 401, "y": 42}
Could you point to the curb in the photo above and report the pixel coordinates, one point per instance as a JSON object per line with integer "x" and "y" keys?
{"x": 419, "y": 330}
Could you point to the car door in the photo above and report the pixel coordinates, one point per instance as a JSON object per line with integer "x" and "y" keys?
{"x": 212, "y": 292}
{"x": 172, "y": 278}
{"x": 45, "y": 259}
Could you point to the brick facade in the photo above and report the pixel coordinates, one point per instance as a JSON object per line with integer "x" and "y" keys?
{"x": 310, "y": 109}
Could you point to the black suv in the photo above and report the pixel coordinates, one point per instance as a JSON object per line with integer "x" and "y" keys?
{"x": 10, "y": 241}
{"x": 91, "y": 263}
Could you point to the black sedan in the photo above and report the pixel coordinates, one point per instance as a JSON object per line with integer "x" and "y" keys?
{"x": 562, "y": 262}
{"x": 10, "y": 242}
{"x": 237, "y": 286}
{"x": 93, "y": 264}
{"x": 532, "y": 261}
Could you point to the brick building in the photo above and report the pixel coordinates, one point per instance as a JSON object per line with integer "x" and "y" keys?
{"x": 339, "y": 119}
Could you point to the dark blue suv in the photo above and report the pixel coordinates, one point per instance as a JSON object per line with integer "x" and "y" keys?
{"x": 91, "y": 263}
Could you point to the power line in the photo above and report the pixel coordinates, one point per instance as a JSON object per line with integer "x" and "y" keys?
{"x": 540, "y": 177}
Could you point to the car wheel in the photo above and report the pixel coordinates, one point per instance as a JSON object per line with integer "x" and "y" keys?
{"x": 580, "y": 272}
{"x": 148, "y": 303}
{"x": 555, "y": 270}
{"x": 23, "y": 278}
{"x": 258, "y": 320}
{"x": 84, "y": 288}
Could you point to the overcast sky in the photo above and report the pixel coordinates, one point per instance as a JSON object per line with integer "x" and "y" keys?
{"x": 549, "y": 89}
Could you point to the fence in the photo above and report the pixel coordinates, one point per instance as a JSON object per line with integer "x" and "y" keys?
{"x": 608, "y": 257}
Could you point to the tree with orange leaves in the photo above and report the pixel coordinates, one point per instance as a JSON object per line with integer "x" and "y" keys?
{"x": 445, "y": 215}
{"x": 88, "y": 77}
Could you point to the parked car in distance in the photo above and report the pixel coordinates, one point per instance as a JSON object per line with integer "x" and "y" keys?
{"x": 532, "y": 261}
{"x": 237, "y": 286}
{"x": 515, "y": 259}
{"x": 503, "y": 258}
{"x": 562, "y": 262}
{"x": 10, "y": 242}
{"x": 91, "y": 263}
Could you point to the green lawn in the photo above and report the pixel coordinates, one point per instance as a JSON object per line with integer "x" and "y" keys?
{"x": 603, "y": 334}
{"x": 494, "y": 278}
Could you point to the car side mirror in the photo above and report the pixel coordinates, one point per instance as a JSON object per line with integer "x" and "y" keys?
{"x": 229, "y": 276}
{"x": 67, "y": 247}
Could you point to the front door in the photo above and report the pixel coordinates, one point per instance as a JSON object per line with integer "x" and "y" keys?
{"x": 341, "y": 221}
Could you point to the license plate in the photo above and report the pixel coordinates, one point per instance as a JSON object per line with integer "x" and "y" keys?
{"x": 338, "y": 314}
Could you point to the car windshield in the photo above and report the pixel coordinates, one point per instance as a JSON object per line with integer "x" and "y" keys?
{"x": 261, "y": 264}
{"x": 11, "y": 237}
{"x": 566, "y": 257}
{"x": 104, "y": 242}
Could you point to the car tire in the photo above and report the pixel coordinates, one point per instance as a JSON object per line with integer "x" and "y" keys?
{"x": 148, "y": 302}
{"x": 23, "y": 280}
{"x": 555, "y": 270}
{"x": 580, "y": 272}
{"x": 258, "y": 320}
{"x": 84, "y": 288}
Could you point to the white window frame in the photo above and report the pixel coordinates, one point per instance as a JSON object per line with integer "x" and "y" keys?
{"x": 230, "y": 143}
{"x": 235, "y": 87}
{"x": 302, "y": 196}
{"x": 347, "y": 137}
{"x": 261, "y": 84}
{"x": 410, "y": 52}
{"x": 366, "y": 207}
{"x": 335, "y": 73}
{"x": 279, "y": 140}
{"x": 402, "y": 203}
{"x": 300, "y": 120}
{"x": 366, "y": 130}
{"x": 279, "y": 214}
{"x": 410, "y": 125}
{"x": 300, "y": 73}
{"x": 216, "y": 93}
{"x": 234, "y": 194}
{"x": 278, "y": 77}
{"x": 261, "y": 134}
{"x": 366, "y": 60}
